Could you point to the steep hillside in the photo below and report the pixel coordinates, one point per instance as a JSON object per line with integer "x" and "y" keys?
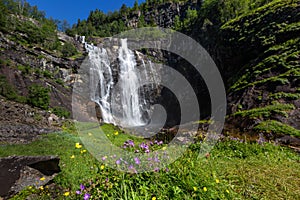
{"x": 37, "y": 66}
{"x": 261, "y": 54}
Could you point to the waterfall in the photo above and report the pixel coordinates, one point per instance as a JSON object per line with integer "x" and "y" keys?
{"x": 130, "y": 106}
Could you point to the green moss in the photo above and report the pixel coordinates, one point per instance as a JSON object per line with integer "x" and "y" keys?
{"x": 277, "y": 127}
{"x": 266, "y": 111}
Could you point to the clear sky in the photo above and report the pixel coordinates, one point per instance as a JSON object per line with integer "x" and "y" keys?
{"x": 72, "y": 10}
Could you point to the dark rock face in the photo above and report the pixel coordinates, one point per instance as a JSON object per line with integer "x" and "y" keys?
{"x": 163, "y": 15}
{"x": 18, "y": 172}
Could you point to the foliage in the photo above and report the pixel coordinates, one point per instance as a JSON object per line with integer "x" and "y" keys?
{"x": 38, "y": 96}
{"x": 61, "y": 112}
{"x": 266, "y": 111}
{"x": 8, "y": 91}
{"x": 233, "y": 170}
{"x": 277, "y": 127}
{"x": 68, "y": 50}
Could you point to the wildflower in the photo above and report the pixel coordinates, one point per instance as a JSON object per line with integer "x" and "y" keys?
{"x": 86, "y": 196}
{"x": 72, "y": 157}
{"x": 204, "y": 189}
{"x": 118, "y": 162}
{"x": 83, "y": 151}
{"x": 30, "y": 187}
{"x": 90, "y": 134}
{"x": 147, "y": 151}
{"x": 82, "y": 187}
{"x": 78, "y": 146}
{"x": 42, "y": 179}
{"x": 41, "y": 187}
{"x": 137, "y": 161}
{"x": 217, "y": 181}
{"x": 153, "y": 198}
{"x": 116, "y": 133}
{"x": 195, "y": 189}
{"x": 102, "y": 167}
{"x": 78, "y": 192}
{"x": 164, "y": 148}
{"x": 167, "y": 169}
{"x": 104, "y": 158}
{"x": 227, "y": 191}
{"x": 130, "y": 143}
{"x": 156, "y": 169}
{"x": 107, "y": 135}
{"x": 66, "y": 194}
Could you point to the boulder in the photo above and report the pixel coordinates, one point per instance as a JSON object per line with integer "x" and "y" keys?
{"x": 19, "y": 172}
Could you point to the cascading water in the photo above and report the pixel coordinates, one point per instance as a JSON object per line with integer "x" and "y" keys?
{"x": 130, "y": 107}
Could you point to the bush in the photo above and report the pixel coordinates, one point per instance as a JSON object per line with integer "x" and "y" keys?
{"x": 38, "y": 96}
{"x": 61, "y": 112}
{"x": 68, "y": 50}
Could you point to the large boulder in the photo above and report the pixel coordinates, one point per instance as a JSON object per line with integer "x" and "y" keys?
{"x": 19, "y": 172}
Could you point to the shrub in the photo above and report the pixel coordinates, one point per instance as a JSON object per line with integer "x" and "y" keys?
{"x": 61, "y": 112}
{"x": 68, "y": 50}
{"x": 38, "y": 96}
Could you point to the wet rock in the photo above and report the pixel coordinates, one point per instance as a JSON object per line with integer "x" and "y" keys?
{"x": 19, "y": 172}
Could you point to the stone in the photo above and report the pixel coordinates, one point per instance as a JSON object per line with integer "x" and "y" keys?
{"x": 19, "y": 172}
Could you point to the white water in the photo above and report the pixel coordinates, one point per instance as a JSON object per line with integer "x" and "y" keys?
{"x": 127, "y": 108}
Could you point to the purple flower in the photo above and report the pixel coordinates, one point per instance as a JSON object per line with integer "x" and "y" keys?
{"x": 130, "y": 143}
{"x": 118, "y": 162}
{"x": 160, "y": 143}
{"x": 86, "y": 196}
{"x": 104, "y": 158}
{"x": 82, "y": 187}
{"x": 156, "y": 169}
{"x": 156, "y": 159}
{"x": 137, "y": 161}
{"x": 147, "y": 151}
{"x": 261, "y": 139}
{"x": 78, "y": 192}
{"x": 167, "y": 169}
{"x": 107, "y": 179}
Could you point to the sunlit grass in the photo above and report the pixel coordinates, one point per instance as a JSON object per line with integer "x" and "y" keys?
{"x": 232, "y": 170}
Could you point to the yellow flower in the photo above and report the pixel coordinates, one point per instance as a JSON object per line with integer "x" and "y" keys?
{"x": 90, "y": 134}
{"x": 164, "y": 148}
{"x": 204, "y": 189}
{"x": 116, "y": 133}
{"x": 30, "y": 187}
{"x": 83, "y": 151}
{"x": 72, "y": 157}
{"x": 217, "y": 181}
{"x": 195, "y": 189}
{"x": 102, "y": 167}
{"x": 153, "y": 198}
{"x": 227, "y": 191}
{"x": 41, "y": 187}
{"x": 107, "y": 135}
{"x": 66, "y": 194}
{"x": 42, "y": 179}
{"x": 78, "y": 146}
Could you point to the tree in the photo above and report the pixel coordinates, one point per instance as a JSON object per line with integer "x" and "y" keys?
{"x": 135, "y": 6}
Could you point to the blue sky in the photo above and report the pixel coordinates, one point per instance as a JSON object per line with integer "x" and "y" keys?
{"x": 71, "y": 10}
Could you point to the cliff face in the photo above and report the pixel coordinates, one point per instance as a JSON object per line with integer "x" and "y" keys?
{"x": 23, "y": 65}
{"x": 261, "y": 54}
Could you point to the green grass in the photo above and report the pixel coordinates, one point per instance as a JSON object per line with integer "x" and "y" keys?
{"x": 277, "y": 127}
{"x": 232, "y": 170}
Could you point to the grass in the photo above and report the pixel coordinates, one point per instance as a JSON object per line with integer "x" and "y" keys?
{"x": 232, "y": 170}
